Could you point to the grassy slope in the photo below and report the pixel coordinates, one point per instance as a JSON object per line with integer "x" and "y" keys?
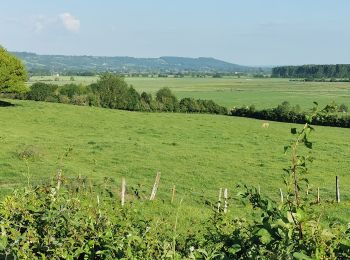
{"x": 198, "y": 153}
{"x": 264, "y": 93}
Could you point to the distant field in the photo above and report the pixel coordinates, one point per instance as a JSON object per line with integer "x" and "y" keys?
{"x": 198, "y": 153}
{"x": 230, "y": 92}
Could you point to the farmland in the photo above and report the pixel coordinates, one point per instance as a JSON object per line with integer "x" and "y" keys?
{"x": 197, "y": 153}
{"x": 233, "y": 91}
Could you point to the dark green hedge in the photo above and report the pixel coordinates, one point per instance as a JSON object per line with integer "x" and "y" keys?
{"x": 329, "y": 116}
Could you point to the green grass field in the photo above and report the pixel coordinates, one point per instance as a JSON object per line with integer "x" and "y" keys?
{"x": 197, "y": 153}
{"x": 230, "y": 92}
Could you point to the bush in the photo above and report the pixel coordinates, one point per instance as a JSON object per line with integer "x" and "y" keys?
{"x": 147, "y": 98}
{"x": 286, "y": 113}
{"x": 63, "y": 99}
{"x": 40, "y": 91}
{"x": 93, "y": 100}
{"x": 72, "y": 89}
{"x": 189, "y": 105}
{"x": 80, "y": 100}
{"x": 343, "y": 108}
{"x": 167, "y": 100}
{"x": 112, "y": 91}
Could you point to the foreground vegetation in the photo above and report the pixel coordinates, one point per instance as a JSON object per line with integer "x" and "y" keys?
{"x": 72, "y": 221}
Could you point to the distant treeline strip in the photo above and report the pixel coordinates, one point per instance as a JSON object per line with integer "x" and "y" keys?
{"x": 331, "y": 115}
{"x": 312, "y": 71}
{"x": 111, "y": 91}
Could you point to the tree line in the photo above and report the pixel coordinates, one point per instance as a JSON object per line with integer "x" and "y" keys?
{"x": 330, "y": 115}
{"x": 312, "y": 71}
{"x": 111, "y": 91}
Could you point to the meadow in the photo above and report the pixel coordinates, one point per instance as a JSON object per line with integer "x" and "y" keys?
{"x": 197, "y": 153}
{"x": 233, "y": 91}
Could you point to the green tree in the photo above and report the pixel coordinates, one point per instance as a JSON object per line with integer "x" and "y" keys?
{"x": 13, "y": 74}
{"x": 167, "y": 100}
{"x": 112, "y": 91}
{"x": 41, "y": 91}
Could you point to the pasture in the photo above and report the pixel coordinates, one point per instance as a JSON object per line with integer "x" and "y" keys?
{"x": 233, "y": 91}
{"x": 197, "y": 153}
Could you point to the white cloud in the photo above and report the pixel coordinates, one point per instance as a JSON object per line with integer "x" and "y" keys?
{"x": 70, "y": 22}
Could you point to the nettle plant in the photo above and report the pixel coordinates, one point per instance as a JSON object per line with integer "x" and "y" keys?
{"x": 295, "y": 179}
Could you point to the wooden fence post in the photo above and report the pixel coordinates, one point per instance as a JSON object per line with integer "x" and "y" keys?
{"x": 123, "y": 192}
{"x": 337, "y": 189}
{"x": 173, "y": 194}
{"x": 59, "y": 179}
{"x": 155, "y": 187}
{"x": 281, "y": 195}
{"x": 98, "y": 205}
{"x": 219, "y": 200}
{"x": 225, "y": 197}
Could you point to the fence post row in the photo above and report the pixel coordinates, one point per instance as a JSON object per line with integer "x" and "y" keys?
{"x": 222, "y": 191}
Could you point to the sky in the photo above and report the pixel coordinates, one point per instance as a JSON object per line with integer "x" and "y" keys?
{"x": 247, "y": 32}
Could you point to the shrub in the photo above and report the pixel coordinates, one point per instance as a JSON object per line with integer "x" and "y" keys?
{"x": 40, "y": 91}
{"x": 189, "y": 105}
{"x": 63, "y": 99}
{"x": 133, "y": 99}
{"x": 72, "y": 89}
{"x": 147, "y": 98}
{"x": 343, "y": 108}
{"x": 112, "y": 91}
{"x": 80, "y": 100}
{"x": 167, "y": 100}
{"x": 93, "y": 100}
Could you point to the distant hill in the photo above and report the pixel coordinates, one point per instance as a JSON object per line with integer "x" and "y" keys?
{"x": 48, "y": 64}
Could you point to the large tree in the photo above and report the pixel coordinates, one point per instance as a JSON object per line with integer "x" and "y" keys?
{"x": 13, "y": 74}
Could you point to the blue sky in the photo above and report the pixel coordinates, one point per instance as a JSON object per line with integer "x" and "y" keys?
{"x": 249, "y": 32}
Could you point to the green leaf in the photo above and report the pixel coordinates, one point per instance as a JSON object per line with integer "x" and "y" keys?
{"x": 308, "y": 144}
{"x": 301, "y": 256}
{"x": 234, "y": 249}
{"x": 264, "y": 236}
{"x": 286, "y": 147}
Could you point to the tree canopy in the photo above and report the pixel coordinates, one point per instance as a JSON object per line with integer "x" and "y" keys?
{"x": 12, "y": 73}
{"x": 312, "y": 71}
